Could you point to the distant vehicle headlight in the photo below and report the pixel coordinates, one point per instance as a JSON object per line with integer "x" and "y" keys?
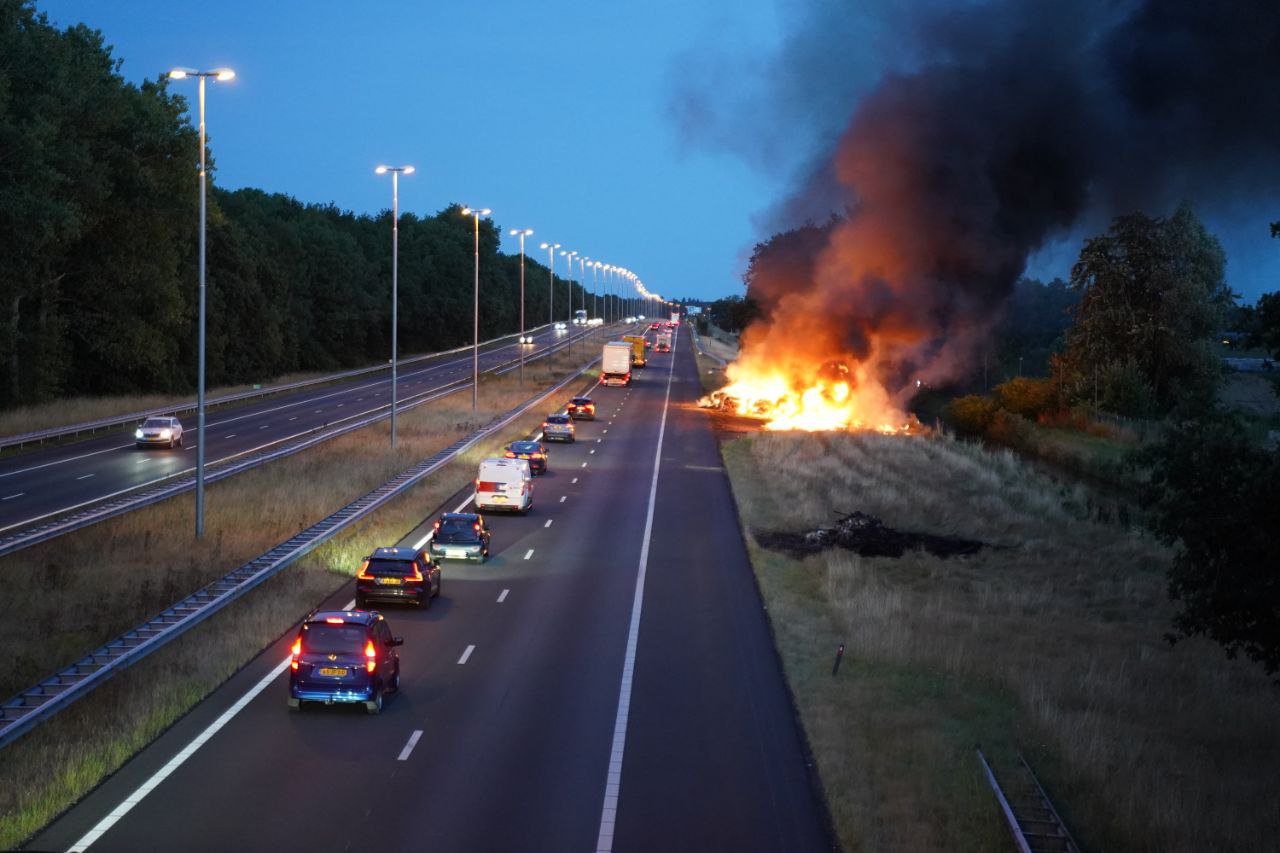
{"x": 137, "y": 433}
{"x": 166, "y": 433}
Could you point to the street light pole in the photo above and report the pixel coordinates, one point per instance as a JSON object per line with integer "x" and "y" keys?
{"x": 222, "y": 74}
{"x": 551, "y": 282}
{"x": 523, "y": 232}
{"x": 569, "y": 256}
{"x": 582, "y": 271}
{"x": 475, "y": 214}
{"x": 396, "y": 172}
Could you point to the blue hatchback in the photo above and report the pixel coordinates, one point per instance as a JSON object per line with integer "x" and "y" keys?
{"x": 344, "y": 656}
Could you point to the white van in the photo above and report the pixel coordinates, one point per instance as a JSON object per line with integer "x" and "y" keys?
{"x": 504, "y": 484}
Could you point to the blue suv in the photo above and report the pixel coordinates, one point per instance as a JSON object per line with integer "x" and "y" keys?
{"x": 344, "y": 656}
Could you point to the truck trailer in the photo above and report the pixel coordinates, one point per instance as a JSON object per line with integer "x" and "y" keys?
{"x": 615, "y": 364}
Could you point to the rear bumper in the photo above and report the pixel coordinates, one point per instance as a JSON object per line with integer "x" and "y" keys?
{"x": 391, "y": 593}
{"x": 557, "y": 436}
{"x": 309, "y": 692}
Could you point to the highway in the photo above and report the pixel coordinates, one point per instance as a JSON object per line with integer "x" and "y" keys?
{"x": 606, "y": 681}
{"x": 50, "y": 481}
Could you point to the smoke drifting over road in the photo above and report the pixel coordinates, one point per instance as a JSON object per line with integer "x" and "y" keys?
{"x": 1013, "y": 122}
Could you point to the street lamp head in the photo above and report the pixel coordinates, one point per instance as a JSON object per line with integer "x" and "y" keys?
{"x": 381, "y": 170}
{"x": 551, "y": 246}
{"x": 224, "y": 74}
{"x": 518, "y": 231}
{"x": 409, "y": 170}
{"x": 476, "y": 211}
{"x": 180, "y": 73}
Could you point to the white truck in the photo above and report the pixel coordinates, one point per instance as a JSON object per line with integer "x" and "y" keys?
{"x": 504, "y": 484}
{"x": 615, "y": 364}
{"x": 675, "y": 318}
{"x": 664, "y": 342}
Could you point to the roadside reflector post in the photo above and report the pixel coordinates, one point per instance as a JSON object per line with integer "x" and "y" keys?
{"x": 835, "y": 667}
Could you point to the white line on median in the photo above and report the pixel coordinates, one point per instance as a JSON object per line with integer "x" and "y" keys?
{"x": 84, "y": 476}
{"x": 528, "y": 554}
{"x": 466, "y": 654}
{"x": 548, "y": 524}
{"x": 174, "y": 763}
{"x": 408, "y": 747}
{"x": 502, "y": 596}
{"x": 613, "y": 779}
{"x": 20, "y": 494}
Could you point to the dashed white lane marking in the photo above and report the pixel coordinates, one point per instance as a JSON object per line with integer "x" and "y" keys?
{"x": 562, "y": 498}
{"x": 598, "y": 440}
{"x": 613, "y": 779}
{"x": 606, "y": 431}
{"x": 591, "y": 453}
{"x": 20, "y": 494}
{"x": 408, "y": 747}
{"x": 84, "y": 476}
{"x": 575, "y": 479}
{"x": 143, "y": 461}
{"x": 502, "y": 596}
{"x": 264, "y": 426}
{"x": 294, "y": 418}
{"x": 548, "y": 524}
{"x": 466, "y": 654}
{"x": 584, "y": 465}
{"x": 317, "y": 411}
{"x": 233, "y": 435}
{"x": 528, "y": 554}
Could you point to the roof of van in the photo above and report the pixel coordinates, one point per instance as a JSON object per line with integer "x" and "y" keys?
{"x": 510, "y": 464}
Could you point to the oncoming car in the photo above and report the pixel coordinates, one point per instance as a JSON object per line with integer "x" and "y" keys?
{"x": 460, "y": 536}
{"x": 346, "y": 656}
{"x": 562, "y": 327}
{"x": 397, "y": 575}
{"x": 526, "y": 340}
{"x": 558, "y": 428}
{"x": 159, "y": 432}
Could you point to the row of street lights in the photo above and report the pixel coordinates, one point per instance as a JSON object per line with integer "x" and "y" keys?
{"x": 225, "y": 74}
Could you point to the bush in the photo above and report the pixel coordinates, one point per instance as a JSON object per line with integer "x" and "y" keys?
{"x": 1029, "y": 397}
{"x": 971, "y": 414}
{"x": 1011, "y": 430}
{"x": 1125, "y": 390}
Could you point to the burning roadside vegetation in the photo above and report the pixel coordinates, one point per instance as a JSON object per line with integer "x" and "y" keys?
{"x": 868, "y": 536}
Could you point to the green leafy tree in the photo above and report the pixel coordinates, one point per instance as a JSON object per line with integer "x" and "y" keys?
{"x": 1153, "y": 296}
{"x": 1217, "y": 494}
{"x": 1265, "y": 323}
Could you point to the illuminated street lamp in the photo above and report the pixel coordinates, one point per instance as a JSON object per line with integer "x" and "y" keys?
{"x": 522, "y": 232}
{"x": 223, "y": 75}
{"x": 476, "y": 214}
{"x": 569, "y": 256}
{"x": 595, "y": 279}
{"x": 396, "y": 172}
{"x": 551, "y": 281}
{"x": 583, "y": 263}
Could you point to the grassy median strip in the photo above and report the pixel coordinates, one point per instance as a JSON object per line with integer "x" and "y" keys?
{"x": 66, "y": 597}
{"x": 1049, "y": 642}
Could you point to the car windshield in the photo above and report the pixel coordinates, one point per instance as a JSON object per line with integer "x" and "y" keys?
{"x": 557, "y": 419}
{"x": 456, "y": 530}
{"x": 379, "y": 566}
{"x": 323, "y": 638}
{"x": 155, "y": 423}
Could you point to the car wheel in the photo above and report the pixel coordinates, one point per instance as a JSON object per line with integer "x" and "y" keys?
{"x": 374, "y": 706}
{"x": 173, "y": 442}
{"x": 424, "y": 600}
{"x": 295, "y": 704}
{"x": 395, "y": 680}
{"x": 439, "y": 587}
{"x": 179, "y": 441}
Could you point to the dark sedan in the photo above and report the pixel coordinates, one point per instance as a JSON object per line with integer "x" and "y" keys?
{"x": 397, "y": 575}
{"x": 534, "y": 451}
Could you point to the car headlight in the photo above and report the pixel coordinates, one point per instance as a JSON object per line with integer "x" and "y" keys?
{"x": 166, "y": 433}
{"x": 137, "y": 433}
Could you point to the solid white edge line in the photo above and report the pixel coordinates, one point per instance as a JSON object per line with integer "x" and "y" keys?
{"x": 174, "y": 763}
{"x": 408, "y": 747}
{"x": 502, "y": 596}
{"x": 613, "y": 779}
{"x": 466, "y": 655}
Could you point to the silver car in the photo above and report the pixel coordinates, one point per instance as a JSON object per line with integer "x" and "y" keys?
{"x": 159, "y": 432}
{"x": 558, "y": 428}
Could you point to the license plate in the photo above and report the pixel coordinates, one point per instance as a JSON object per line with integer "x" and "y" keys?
{"x": 333, "y": 670}
{"x": 524, "y": 456}
{"x": 499, "y": 497}
{"x": 452, "y": 553}
{"x": 391, "y": 581}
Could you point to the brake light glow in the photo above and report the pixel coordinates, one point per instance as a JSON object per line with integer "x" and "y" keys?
{"x": 334, "y": 620}
{"x": 417, "y": 574}
{"x": 509, "y": 455}
{"x": 295, "y": 650}
{"x": 363, "y": 574}
{"x": 370, "y": 656}
{"x": 476, "y": 526}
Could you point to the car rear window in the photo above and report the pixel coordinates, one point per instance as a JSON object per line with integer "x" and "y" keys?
{"x": 323, "y": 638}
{"x": 558, "y": 419}
{"x": 524, "y": 447}
{"x": 460, "y": 530}
{"x": 390, "y": 567}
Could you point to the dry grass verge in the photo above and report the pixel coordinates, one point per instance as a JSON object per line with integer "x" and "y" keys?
{"x": 66, "y": 597}
{"x": 1049, "y": 645}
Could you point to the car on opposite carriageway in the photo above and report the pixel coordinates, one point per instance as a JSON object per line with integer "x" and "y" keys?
{"x": 159, "y": 432}
{"x": 398, "y": 575}
{"x": 559, "y": 427}
{"x": 344, "y": 656}
{"x": 533, "y": 451}
{"x": 460, "y": 536}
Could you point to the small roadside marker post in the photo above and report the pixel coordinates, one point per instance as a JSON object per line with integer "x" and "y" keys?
{"x": 835, "y": 668}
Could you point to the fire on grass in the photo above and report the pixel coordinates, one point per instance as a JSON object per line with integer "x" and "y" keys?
{"x": 834, "y": 397}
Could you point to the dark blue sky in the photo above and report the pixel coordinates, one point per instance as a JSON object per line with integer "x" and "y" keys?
{"x": 558, "y": 115}
{"x": 554, "y": 114}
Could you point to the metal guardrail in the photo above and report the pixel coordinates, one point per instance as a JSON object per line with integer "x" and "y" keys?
{"x": 33, "y": 706}
{"x": 147, "y": 495}
{"x": 190, "y": 405}
{"x": 1033, "y": 822}
{"x": 697, "y": 342}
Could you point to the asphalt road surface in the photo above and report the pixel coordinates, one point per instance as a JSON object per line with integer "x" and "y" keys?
{"x": 605, "y": 682}
{"x": 47, "y": 482}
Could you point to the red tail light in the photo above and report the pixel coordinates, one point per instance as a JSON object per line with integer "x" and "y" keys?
{"x": 417, "y": 574}
{"x": 437, "y": 524}
{"x": 335, "y": 620}
{"x": 509, "y": 455}
{"x": 476, "y": 526}
{"x": 363, "y": 575}
{"x": 370, "y": 656}
{"x": 295, "y": 650}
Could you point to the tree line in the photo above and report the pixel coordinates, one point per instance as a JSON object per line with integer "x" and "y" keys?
{"x": 98, "y": 246}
